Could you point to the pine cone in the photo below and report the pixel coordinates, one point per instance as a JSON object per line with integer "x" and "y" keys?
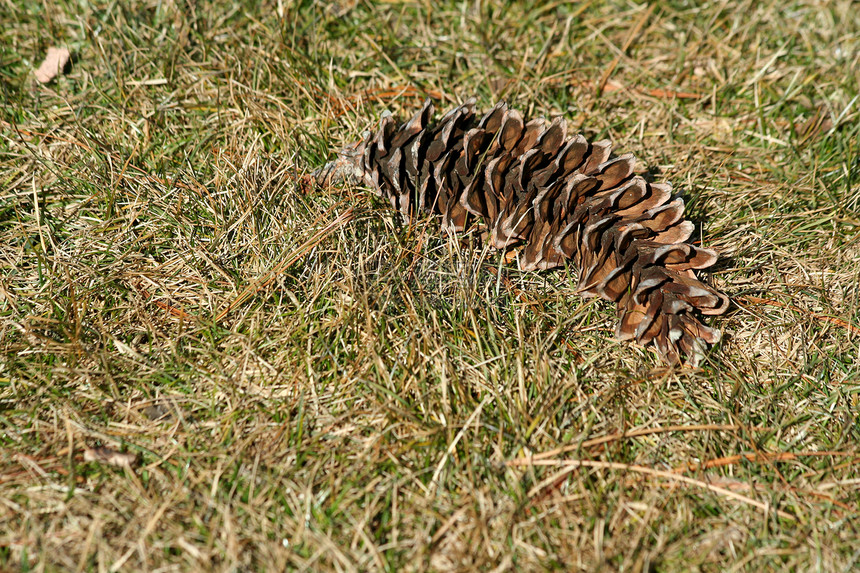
{"x": 561, "y": 199}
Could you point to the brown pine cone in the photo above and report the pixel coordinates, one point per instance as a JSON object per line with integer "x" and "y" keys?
{"x": 561, "y": 199}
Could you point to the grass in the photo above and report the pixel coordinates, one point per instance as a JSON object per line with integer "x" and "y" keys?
{"x": 371, "y": 401}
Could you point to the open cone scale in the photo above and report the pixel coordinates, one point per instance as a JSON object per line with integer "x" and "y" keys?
{"x": 562, "y": 198}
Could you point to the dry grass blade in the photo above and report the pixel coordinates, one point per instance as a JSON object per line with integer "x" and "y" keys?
{"x": 303, "y": 249}
{"x": 631, "y": 434}
{"x": 627, "y": 43}
{"x": 614, "y": 86}
{"x": 572, "y": 465}
{"x": 169, "y": 308}
{"x": 837, "y": 321}
{"x": 762, "y": 457}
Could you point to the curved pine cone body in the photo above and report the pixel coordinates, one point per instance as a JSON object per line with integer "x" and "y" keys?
{"x": 562, "y": 199}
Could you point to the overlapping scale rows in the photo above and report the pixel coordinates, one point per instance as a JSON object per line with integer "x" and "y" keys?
{"x": 560, "y": 198}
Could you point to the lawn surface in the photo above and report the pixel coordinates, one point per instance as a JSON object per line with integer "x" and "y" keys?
{"x": 300, "y": 380}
